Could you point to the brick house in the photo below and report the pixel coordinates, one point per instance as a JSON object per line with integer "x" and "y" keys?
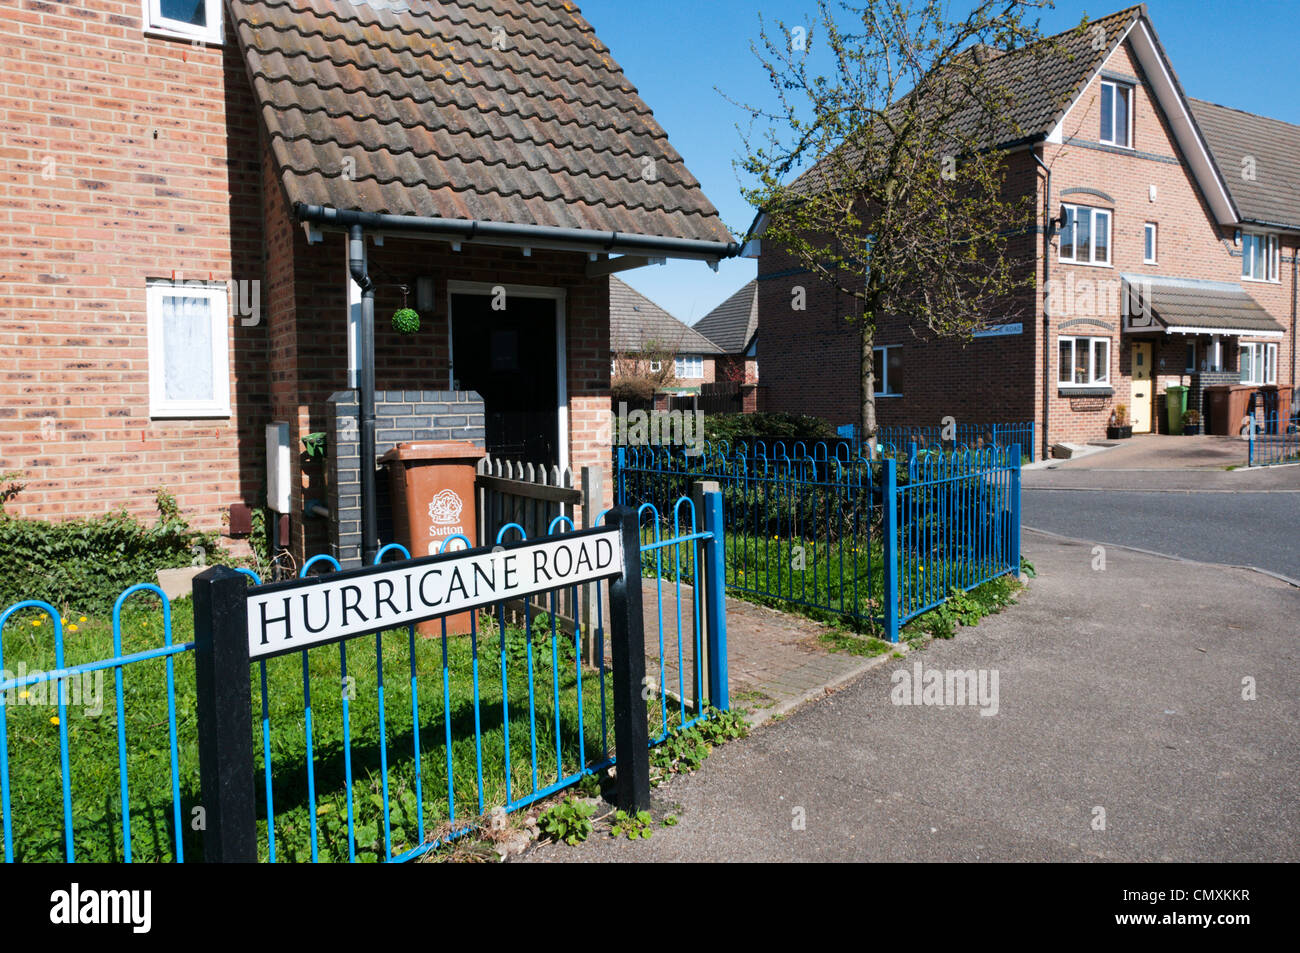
{"x": 203, "y": 200}
{"x": 636, "y": 322}
{"x": 733, "y": 327}
{"x": 1157, "y": 263}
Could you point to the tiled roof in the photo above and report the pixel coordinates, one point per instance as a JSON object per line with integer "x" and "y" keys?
{"x": 635, "y": 320}
{"x": 493, "y": 110}
{"x": 1217, "y": 305}
{"x": 1040, "y": 81}
{"x": 732, "y": 324}
{"x": 1257, "y": 158}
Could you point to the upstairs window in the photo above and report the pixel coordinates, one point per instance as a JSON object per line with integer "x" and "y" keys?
{"x": 188, "y": 19}
{"x": 1117, "y": 114}
{"x": 688, "y": 365}
{"x": 1259, "y": 257}
{"x": 1085, "y": 236}
{"x": 189, "y": 366}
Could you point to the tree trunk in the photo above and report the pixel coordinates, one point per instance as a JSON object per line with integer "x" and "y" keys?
{"x": 868, "y": 409}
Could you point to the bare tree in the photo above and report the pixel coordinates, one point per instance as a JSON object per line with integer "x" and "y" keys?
{"x": 904, "y": 204}
{"x": 637, "y": 375}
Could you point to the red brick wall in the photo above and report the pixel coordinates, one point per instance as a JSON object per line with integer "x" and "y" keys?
{"x": 126, "y": 158}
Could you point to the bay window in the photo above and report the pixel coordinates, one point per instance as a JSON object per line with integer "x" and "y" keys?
{"x": 1258, "y": 364}
{"x": 1083, "y": 362}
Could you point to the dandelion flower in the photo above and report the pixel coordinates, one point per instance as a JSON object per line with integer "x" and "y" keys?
{"x": 73, "y": 627}
{"x": 54, "y": 719}
{"x": 23, "y": 695}
{"x": 36, "y": 621}
{"x": 82, "y": 619}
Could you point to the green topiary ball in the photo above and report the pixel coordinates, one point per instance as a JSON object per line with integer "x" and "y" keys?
{"x": 406, "y": 321}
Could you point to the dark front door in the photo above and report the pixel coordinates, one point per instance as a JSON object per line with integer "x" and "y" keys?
{"x": 508, "y": 356}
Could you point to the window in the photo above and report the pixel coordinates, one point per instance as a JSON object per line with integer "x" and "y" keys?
{"x": 1083, "y": 362}
{"x": 887, "y": 365}
{"x": 1189, "y": 362}
{"x": 191, "y": 19}
{"x": 1259, "y": 363}
{"x": 689, "y": 365}
{"x": 1116, "y": 114}
{"x": 189, "y": 370}
{"x": 656, "y": 367}
{"x": 1259, "y": 257}
{"x": 1149, "y": 243}
{"x": 1085, "y": 236}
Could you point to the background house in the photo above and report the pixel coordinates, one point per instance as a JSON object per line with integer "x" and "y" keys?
{"x": 733, "y": 327}
{"x": 1143, "y": 211}
{"x": 201, "y": 233}
{"x": 638, "y": 326}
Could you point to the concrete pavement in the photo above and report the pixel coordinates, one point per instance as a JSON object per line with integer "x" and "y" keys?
{"x": 1119, "y": 691}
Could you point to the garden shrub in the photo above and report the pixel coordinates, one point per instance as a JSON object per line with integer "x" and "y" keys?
{"x": 775, "y": 426}
{"x": 84, "y": 564}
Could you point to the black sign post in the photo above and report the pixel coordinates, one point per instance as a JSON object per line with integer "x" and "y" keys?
{"x": 225, "y": 718}
{"x": 627, "y": 648}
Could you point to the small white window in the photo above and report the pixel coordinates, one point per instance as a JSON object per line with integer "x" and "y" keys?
{"x": 1259, "y": 257}
{"x": 1085, "y": 236}
{"x": 1259, "y": 363}
{"x": 887, "y": 365}
{"x": 656, "y": 367}
{"x": 1149, "y": 243}
{"x": 189, "y": 367}
{"x": 190, "y": 19}
{"x": 1116, "y": 114}
{"x": 689, "y": 365}
{"x": 1083, "y": 362}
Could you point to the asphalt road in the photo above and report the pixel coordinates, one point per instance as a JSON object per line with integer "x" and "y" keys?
{"x": 1145, "y": 713}
{"x": 1238, "y": 529}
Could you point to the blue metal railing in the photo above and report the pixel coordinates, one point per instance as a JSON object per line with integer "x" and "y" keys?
{"x": 875, "y": 542}
{"x": 1273, "y": 441}
{"x": 399, "y": 796}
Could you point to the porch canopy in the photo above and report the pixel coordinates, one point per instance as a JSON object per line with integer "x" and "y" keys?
{"x": 1192, "y": 306}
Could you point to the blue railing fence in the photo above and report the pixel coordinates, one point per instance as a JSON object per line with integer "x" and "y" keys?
{"x": 376, "y": 748}
{"x": 1272, "y": 439}
{"x": 874, "y": 542}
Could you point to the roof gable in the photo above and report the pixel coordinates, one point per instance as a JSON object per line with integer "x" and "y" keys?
{"x": 492, "y": 110}
{"x": 635, "y": 321}
{"x": 732, "y": 324}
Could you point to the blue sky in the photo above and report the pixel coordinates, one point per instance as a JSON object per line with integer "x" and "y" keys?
{"x": 1239, "y": 54}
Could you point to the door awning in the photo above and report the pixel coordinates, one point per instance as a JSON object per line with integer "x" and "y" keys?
{"x": 1192, "y": 306}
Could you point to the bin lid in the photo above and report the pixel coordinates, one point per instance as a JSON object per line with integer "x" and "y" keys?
{"x": 1175, "y": 388}
{"x": 433, "y": 450}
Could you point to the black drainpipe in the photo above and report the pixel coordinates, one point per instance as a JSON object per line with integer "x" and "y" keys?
{"x": 1047, "y": 312}
{"x": 366, "y": 382}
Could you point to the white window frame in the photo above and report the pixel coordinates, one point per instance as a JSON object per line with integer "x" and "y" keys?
{"x": 1263, "y": 363}
{"x": 1093, "y": 213}
{"x": 883, "y": 387}
{"x": 1114, "y": 88}
{"x": 684, "y": 363}
{"x": 160, "y": 406}
{"x": 1190, "y": 366}
{"x": 1151, "y": 229}
{"x": 1250, "y": 256}
{"x": 656, "y": 367}
{"x": 156, "y": 23}
{"x": 1093, "y": 379}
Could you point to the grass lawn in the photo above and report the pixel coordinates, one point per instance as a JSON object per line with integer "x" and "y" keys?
{"x": 34, "y": 761}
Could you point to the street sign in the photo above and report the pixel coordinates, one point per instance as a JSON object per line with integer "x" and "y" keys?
{"x": 289, "y": 616}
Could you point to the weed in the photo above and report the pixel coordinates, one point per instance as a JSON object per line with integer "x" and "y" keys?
{"x": 634, "y": 826}
{"x": 568, "y": 821}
